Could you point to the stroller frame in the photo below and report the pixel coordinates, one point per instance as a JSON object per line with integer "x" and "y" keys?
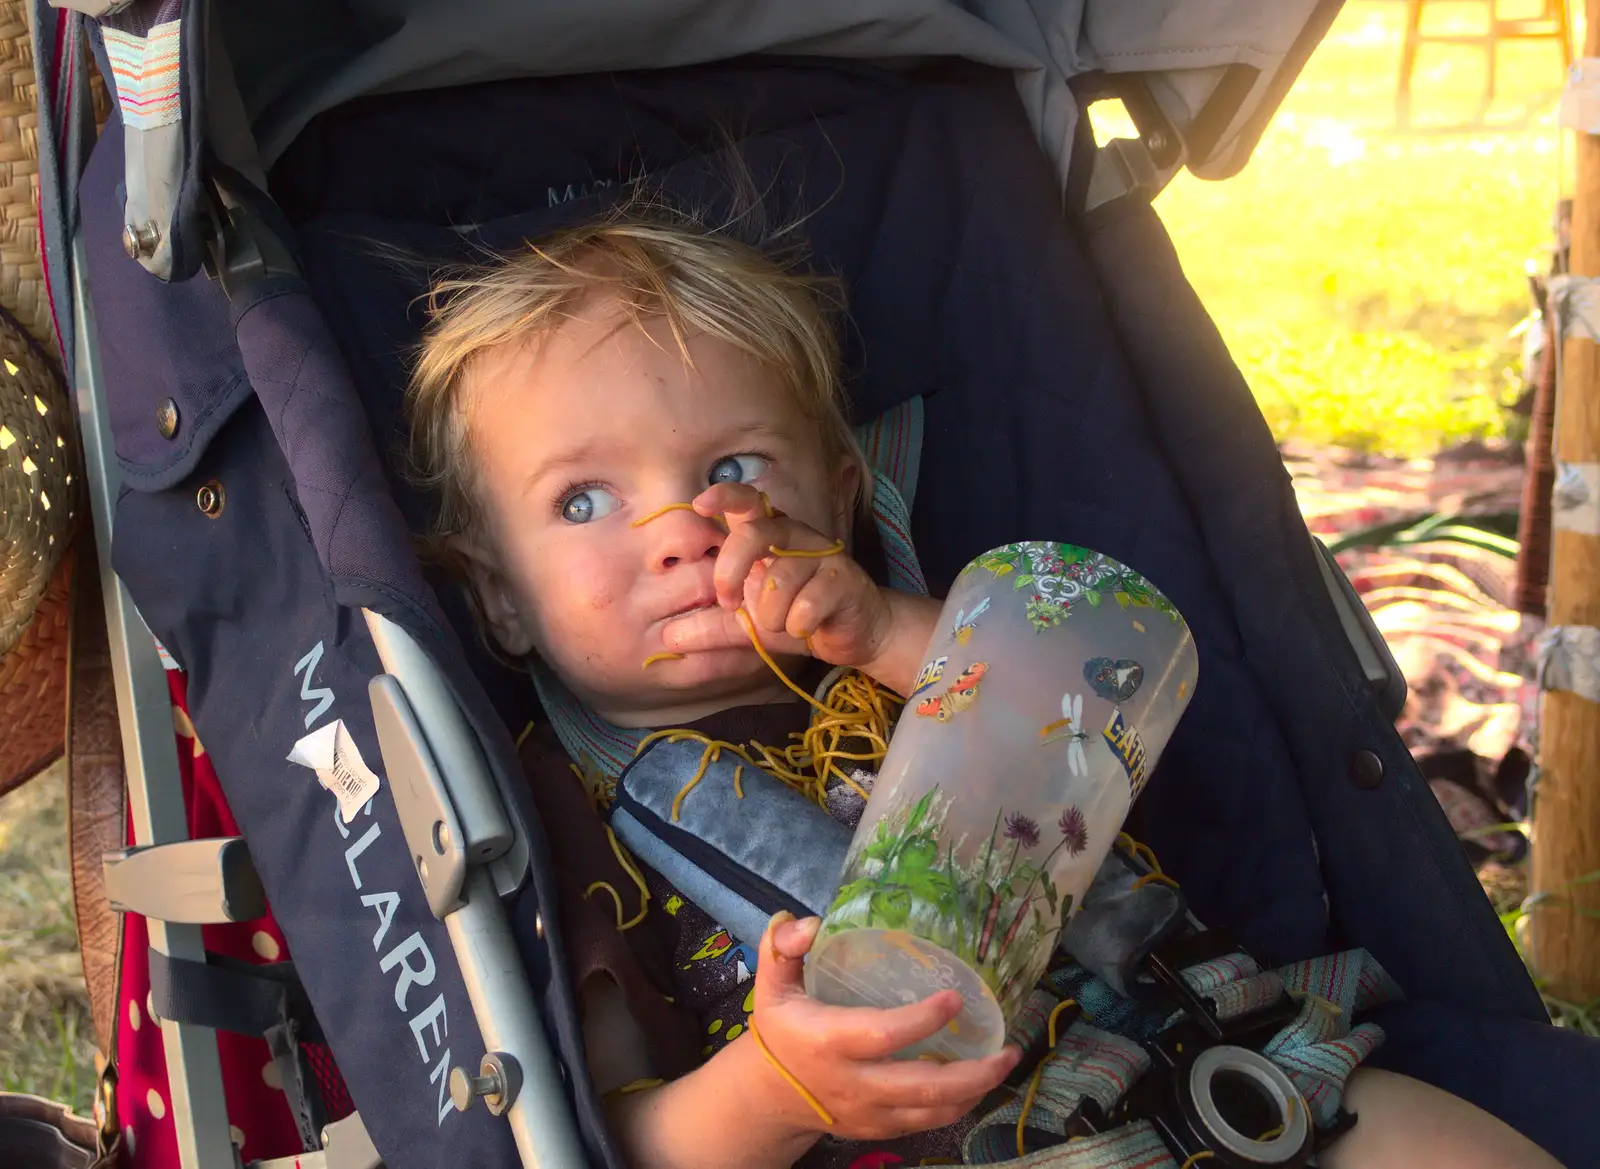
{"x": 469, "y": 849}
{"x": 447, "y": 806}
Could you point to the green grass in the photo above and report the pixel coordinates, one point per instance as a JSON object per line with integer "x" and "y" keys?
{"x": 1366, "y": 280}
{"x": 46, "y": 1037}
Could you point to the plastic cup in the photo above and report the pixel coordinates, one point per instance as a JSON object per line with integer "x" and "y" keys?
{"x": 1051, "y": 686}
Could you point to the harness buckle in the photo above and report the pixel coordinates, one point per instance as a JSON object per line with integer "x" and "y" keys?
{"x": 1208, "y": 1088}
{"x": 1224, "y": 1099}
{"x": 1166, "y": 965}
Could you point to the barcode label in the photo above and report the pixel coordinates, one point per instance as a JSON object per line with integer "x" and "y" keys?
{"x": 333, "y": 755}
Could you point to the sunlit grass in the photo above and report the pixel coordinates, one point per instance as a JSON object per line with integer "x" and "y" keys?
{"x": 46, "y": 1037}
{"x": 1367, "y": 280}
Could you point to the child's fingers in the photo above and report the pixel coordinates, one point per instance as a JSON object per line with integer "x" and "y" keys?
{"x": 771, "y": 589}
{"x": 790, "y": 939}
{"x": 823, "y": 594}
{"x": 924, "y": 1084}
{"x": 866, "y": 1033}
{"x": 751, "y": 542}
{"x": 748, "y": 543}
{"x": 713, "y": 629}
{"x": 733, "y": 501}
{"x": 779, "y": 965}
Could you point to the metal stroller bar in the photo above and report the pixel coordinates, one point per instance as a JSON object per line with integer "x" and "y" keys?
{"x": 149, "y": 752}
{"x": 456, "y": 827}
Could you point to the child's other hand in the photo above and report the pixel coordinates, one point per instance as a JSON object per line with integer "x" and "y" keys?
{"x": 823, "y": 605}
{"x": 842, "y": 1055}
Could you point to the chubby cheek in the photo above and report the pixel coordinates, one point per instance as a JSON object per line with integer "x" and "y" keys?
{"x": 576, "y": 596}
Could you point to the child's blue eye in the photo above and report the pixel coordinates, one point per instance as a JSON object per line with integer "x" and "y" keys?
{"x": 591, "y": 503}
{"x": 737, "y": 469}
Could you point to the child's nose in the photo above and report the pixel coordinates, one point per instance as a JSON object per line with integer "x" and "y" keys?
{"x": 686, "y": 538}
{"x": 710, "y": 553}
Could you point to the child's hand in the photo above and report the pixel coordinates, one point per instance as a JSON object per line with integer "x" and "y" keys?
{"x": 842, "y": 1055}
{"x": 823, "y": 605}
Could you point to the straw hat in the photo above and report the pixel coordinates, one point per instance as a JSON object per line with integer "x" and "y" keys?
{"x": 41, "y": 496}
{"x": 40, "y": 502}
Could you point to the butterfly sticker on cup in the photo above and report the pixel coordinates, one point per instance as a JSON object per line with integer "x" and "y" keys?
{"x": 1069, "y": 727}
{"x": 962, "y": 693}
{"x": 961, "y": 631}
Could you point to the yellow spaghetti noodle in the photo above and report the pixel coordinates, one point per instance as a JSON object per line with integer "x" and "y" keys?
{"x": 1143, "y": 851}
{"x": 1038, "y": 1072}
{"x": 851, "y": 724}
{"x": 788, "y": 1076}
{"x": 660, "y": 657}
{"x": 634, "y": 875}
{"x": 635, "y": 1086}
{"x": 659, "y": 512}
{"x": 832, "y": 549}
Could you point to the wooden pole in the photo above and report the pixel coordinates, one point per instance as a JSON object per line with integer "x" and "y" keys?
{"x": 1565, "y": 926}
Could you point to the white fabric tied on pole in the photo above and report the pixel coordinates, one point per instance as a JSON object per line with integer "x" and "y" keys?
{"x": 1575, "y": 498}
{"x": 1569, "y": 659}
{"x": 1576, "y": 304}
{"x": 1580, "y": 98}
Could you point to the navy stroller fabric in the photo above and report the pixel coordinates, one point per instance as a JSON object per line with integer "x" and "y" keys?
{"x": 1074, "y": 390}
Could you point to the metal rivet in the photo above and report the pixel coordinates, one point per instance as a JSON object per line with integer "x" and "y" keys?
{"x": 1156, "y": 142}
{"x": 498, "y": 1082}
{"x": 1366, "y": 770}
{"x": 211, "y": 499}
{"x": 538, "y": 926}
{"x": 167, "y": 417}
{"x": 141, "y": 242}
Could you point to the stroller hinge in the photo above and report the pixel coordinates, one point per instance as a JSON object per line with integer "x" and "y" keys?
{"x": 242, "y": 250}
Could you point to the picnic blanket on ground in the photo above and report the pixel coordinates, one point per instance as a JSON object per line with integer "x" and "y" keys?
{"x": 1445, "y": 610}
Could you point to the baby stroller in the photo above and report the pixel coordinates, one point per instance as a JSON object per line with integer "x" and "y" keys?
{"x": 238, "y": 345}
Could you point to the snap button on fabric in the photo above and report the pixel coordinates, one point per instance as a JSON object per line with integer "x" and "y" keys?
{"x": 1366, "y": 770}
{"x": 210, "y": 499}
{"x": 167, "y": 417}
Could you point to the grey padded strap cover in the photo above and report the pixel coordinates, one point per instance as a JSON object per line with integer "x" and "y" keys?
{"x": 741, "y": 860}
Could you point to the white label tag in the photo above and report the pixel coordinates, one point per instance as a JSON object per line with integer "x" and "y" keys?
{"x": 1580, "y": 100}
{"x": 333, "y": 755}
{"x": 1576, "y": 498}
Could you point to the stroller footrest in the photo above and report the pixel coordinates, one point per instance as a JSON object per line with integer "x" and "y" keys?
{"x": 195, "y": 882}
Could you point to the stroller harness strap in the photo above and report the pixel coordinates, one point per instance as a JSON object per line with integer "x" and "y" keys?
{"x": 267, "y": 1001}
{"x": 1151, "y": 990}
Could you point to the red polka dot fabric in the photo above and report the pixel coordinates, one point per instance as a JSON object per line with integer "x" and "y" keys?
{"x": 258, "y": 1112}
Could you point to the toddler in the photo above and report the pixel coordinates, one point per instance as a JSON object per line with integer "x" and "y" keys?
{"x": 636, "y": 434}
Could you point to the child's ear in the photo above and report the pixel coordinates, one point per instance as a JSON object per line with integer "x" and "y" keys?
{"x": 511, "y": 630}
{"x": 847, "y": 496}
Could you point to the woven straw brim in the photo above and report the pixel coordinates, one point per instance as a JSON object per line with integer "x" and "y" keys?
{"x": 33, "y": 687}
{"x": 22, "y": 289}
{"x": 39, "y": 486}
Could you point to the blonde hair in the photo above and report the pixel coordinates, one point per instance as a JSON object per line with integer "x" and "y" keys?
{"x": 698, "y": 281}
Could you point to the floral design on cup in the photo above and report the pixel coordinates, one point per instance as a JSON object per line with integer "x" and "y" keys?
{"x": 1061, "y": 575}
{"x": 991, "y": 912}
